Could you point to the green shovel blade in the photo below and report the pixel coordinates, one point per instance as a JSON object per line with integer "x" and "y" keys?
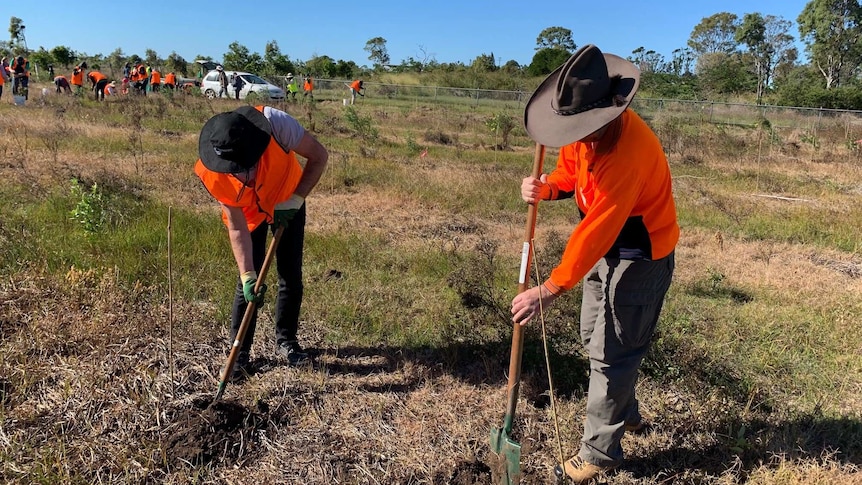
{"x": 510, "y": 451}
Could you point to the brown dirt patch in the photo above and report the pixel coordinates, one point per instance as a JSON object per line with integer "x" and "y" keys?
{"x": 221, "y": 431}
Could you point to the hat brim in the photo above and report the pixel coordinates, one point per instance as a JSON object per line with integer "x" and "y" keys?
{"x": 258, "y": 140}
{"x": 548, "y": 128}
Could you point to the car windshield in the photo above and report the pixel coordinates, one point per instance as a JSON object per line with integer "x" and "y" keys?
{"x": 254, "y": 79}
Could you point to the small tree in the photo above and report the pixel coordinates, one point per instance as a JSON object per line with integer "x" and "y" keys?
{"x": 377, "y": 52}
{"x": 502, "y": 124}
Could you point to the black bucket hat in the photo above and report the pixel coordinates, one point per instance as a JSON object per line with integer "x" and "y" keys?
{"x": 233, "y": 142}
{"x": 588, "y": 91}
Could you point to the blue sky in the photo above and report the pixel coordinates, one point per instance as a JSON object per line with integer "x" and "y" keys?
{"x": 445, "y": 30}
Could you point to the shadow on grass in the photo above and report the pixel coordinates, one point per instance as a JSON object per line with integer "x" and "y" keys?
{"x": 472, "y": 363}
{"x": 809, "y": 437}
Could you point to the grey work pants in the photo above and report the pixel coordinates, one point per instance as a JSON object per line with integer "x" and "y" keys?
{"x": 621, "y": 304}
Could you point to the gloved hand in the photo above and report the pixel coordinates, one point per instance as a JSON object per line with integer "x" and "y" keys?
{"x": 249, "y": 279}
{"x": 285, "y": 211}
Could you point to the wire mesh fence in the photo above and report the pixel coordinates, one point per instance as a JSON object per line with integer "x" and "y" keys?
{"x": 780, "y": 119}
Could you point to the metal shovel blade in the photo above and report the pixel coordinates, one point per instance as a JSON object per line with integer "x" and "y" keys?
{"x": 509, "y": 452}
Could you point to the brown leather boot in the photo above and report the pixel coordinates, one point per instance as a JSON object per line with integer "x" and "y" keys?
{"x": 580, "y": 472}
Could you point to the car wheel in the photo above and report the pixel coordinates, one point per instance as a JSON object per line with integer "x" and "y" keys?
{"x": 210, "y": 94}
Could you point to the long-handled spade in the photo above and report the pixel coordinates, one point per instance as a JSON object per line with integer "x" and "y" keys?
{"x": 501, "y": 440}
{"x": 246, "y": 319}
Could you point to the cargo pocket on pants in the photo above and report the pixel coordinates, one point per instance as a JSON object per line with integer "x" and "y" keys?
{"x": 635, "y": 317}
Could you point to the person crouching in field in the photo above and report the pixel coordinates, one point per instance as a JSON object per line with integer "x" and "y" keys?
{"x": 99, "y": 82}
{"x": 248, "y": 164}
{"x": 62, "y": 84}
{"x": 622, "y": 250}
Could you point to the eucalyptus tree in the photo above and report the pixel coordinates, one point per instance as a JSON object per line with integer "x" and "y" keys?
{"x": 716, "y": 33}
{"x": 769, "y": 45}
{"x": 377, "y": 52}
{"x": 647, "y": 60}
{"x": 831, "y": 32}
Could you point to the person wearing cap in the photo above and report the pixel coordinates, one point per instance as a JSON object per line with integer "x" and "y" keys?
{"x": 248, "y": 163}
{"x": 292, "y": 86}
{"x": 111, "y": 89}
{"x": 222, "y": 81}
{"x": 622, "y": 250}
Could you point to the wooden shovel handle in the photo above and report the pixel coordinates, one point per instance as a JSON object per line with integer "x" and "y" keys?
{"x": 249, "y": 312}
{"x": 523, "y": 283}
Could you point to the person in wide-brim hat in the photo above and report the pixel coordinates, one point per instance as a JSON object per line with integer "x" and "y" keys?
{"x": 621, "y": 252}
{"x": 249, "y": 162}
{"x": 588, "y": 91}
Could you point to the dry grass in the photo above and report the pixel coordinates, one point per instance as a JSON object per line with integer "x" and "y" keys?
{"x": 85, "y": 380}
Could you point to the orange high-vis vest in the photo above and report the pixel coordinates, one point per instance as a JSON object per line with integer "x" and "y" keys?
{"x": 278, "y": 174}
{"x": 96, "y": 76}
{"x": 170, "y": 78}
{"x": 624, "y": 197}
{"x": 308, "y": 86}
{"x": 155, "y": 77}
{"x": 355, "y": 85}
{"x": 14, "y": 66}
{"x": 78, "y": 79}
{"x": 139, "y": 73}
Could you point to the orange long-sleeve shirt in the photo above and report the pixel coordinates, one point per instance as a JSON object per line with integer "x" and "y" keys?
{"x": 624, "y": 197}
{"x": 96, "y": 76}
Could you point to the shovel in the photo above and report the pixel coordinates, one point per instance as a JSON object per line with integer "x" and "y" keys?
{"x": 246, "y": 319}
{"x": 501, "y": 440}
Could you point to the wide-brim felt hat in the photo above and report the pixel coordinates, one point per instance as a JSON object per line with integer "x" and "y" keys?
{"x": 588, "y": 91}
{"x": 233, "y": 142}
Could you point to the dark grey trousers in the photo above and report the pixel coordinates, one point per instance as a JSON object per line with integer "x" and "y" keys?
{"x": 621, "y": 304}
{"x": 288, "y": 265}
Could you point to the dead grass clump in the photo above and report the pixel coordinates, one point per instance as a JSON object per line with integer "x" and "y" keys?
{"x": 438, "y": 137}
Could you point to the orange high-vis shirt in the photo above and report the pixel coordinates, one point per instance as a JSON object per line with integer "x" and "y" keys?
{"x": 155, "y": 78}
{"x": 170, "y": 78}
{"x": 78, "y": 78}
{"x": 624, "y": 197}
{"x": 355, "y": 85}
{"x": 96, "y": 76}
{"x": 308, "y": 86}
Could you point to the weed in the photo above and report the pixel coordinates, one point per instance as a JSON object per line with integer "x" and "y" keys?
{"x": 413, "y": 148}
{"x": 90, "y": 210}
{"x": 501, "y": 124}
{"x": 361, "y": 125}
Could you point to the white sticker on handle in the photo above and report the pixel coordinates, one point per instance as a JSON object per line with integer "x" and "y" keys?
{"x": 525, "y": 253}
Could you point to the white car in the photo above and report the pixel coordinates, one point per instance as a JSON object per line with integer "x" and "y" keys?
{"x": 254, "y": 86}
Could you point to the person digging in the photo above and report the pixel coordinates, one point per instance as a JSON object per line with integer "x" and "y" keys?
{"x": 248, "y": 164}
{"x": 622, "y": 250}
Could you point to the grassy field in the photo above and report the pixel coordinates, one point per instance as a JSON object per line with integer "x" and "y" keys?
{"x": 108, "y": 361}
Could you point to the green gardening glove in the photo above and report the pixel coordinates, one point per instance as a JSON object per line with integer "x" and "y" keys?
{"x": 249, "y": 279}
{"x": 285, "y": 211}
